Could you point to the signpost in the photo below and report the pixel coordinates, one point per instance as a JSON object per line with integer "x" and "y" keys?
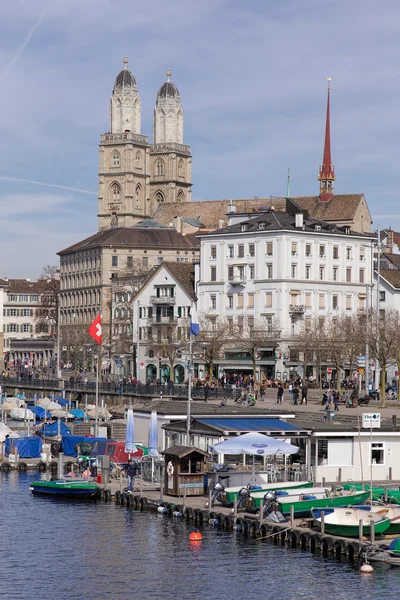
{"x": 373, "y": 421}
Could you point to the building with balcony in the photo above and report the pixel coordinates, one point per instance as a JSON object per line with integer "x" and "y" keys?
{"x": 161, "y": 317}
{"x": 279, "y": 269}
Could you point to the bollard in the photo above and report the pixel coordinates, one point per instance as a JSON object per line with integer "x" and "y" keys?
{"x": 235, "y": 505}
{"x": 372, "y": 532}
{"x": 322, "y": 523}
{"x": 184, "y": 499}
{"x": 323, "y": 482}
{"x": 292, "y": 516}
{"x": 261, "y": 518}
{"x": 360, "y": 532}
{"x": 339, "y": 475}
{"x": 390, "y": 473}
{"x": 386, "y": 495}
{"x": 209, "y": 496}
{"x": 60, "y": 466}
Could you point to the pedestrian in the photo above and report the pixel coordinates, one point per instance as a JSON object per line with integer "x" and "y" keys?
{"x": 131, "y": 473}
{"x": 206, "y": 391}
{"x": 304, "y": 392}
{"x": 295, "y": 394}
{"x": 262, "y": 392}
{"x": 279, "y": 397}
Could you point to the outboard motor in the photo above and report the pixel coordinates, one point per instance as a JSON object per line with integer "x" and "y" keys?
{"x": 244, "y": 495}
{"x": 269, "y": 499}
{"x": 270, "y": 509}
{"x": 217, "y": 491}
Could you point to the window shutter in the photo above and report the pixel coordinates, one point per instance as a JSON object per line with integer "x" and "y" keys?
{"x": 179, "y": 311}
{"x": 140, "y": 312}
{"x": 150, "y": 310}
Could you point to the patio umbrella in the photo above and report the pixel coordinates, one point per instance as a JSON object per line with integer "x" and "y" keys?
{"x": 153, "y": 436}
{"x": 130, "y": 434}
{"x": 256, "y": 444}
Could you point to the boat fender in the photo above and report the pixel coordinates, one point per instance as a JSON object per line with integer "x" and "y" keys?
{"x": 170, "y": 469}
{"x": 41, "y": 467}
{"x": 213, "y": 522}
{"x": 6, "y": 467}
{"x": 162, "y": 510}
{"x": 135, "y": 502}
{"x": 129, "y": 500}
{"x": 177, "y": 514}
{"x": 22, "y": 467}
{"x": 366, "y": 568}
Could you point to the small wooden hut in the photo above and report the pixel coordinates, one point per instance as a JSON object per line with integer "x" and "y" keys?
{"x": 184, "y": 471}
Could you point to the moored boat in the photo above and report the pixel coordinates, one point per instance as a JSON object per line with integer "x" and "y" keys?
{"x": 391, "y": 511}
{"x": 346, "y": 521}
{"x": 22, "y": 414}
{"x": 65, "y": 488}
{"x": 378, "y": 493}
{"x": 296, "y": 494}
{"x": 302, "y": 507}
{"x": 231, "y": 492}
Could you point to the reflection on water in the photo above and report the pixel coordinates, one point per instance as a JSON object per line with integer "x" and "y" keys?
{"x": 66, "y": 550}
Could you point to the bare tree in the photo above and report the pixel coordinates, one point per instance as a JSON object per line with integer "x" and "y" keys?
{"x": 48, "y": 285}
{"x": 343, "y": 342}
{"x": 215, "y": 336}
{"x": 383, "y": 338}
{"x": 312, "y": 342}
{"x": 252, "y": 335}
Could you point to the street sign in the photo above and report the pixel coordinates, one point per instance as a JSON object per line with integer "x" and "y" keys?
{"x": 329, "y": 371}
{"x": 371, "y": 420}
{"x": 361, "y": 370}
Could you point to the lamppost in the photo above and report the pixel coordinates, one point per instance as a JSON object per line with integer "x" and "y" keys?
{"x": 99, "y": 354}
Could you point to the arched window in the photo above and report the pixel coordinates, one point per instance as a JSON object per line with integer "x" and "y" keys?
{"x": 180, "y": 168}
{"x": 159, "y": 197}
{"x": 138, "y": 192}
{"x": 181, "y": 196}
{"x": 116, "y": 192}
{"x": 160, "y": 167}
{"x": 116, "y": 159}
{"x": 138, "y": 155}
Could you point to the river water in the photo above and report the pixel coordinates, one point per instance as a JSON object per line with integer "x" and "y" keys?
{"x": 63, "y": 550}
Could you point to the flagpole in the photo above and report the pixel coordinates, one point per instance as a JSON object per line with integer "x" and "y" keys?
{"x": 96, "y": 410}
{"x": 189, "y": 387}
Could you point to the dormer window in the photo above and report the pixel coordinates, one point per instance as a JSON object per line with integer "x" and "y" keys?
{"x": 318, "y": 228}
{"x": 244, "y": 227}
{"x": 261, "y": 225}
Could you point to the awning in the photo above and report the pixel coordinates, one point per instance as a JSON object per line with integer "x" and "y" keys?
{"x": 272, "y": 426}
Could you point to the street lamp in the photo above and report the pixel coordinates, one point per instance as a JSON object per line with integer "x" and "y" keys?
{"x": 97, "y": 356}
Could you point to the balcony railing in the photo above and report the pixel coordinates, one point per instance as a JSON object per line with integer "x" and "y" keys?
{"x": 161, "y": 320}
{"x": 237, "y": 281}
{"x": 164, "y": 300}
{"x": 297, "y": 308}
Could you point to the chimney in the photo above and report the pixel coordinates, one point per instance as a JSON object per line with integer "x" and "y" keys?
{"x": 299, "y": 221}
{"x": 390, "y": 237}
{"x": 220, "y": 224}
{"x": 231, "y": 207}
{"x": 178, "y": 224}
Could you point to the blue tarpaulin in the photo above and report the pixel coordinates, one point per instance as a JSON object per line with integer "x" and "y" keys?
{"x": 51, "y": 429}
{"x": 61, "y": 400}
{"x": 69, "y": 442}
{"x": 245, "y": 424}
{"x": 40, "y": 412}
{"x": 29, "y": 447}
{"x": 78, "y": 413}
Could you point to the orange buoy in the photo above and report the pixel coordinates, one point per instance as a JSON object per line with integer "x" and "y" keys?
{"x": 195, "y": 536}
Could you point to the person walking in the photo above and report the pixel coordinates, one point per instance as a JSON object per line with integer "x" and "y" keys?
{"x": 295, "y": 395}
{"x": 279, "y": 397}
{"x": 131, "y": 473}
{"x": 206, "y": 391}
{"x": 304, "y": 392}
{"x": 262, "y": 392}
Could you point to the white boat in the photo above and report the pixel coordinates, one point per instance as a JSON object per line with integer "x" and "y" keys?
{"x": 5, "y": 430}
{"x": 22, "y": 414}
{"x": 10, "y": 403}
{"x": 50, "y": 406}
{"x": 59, "y": 413}
{"x": 103, "y": 414}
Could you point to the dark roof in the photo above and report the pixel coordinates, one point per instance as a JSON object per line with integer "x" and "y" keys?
{"x": 192, "y": 221}
{"x": 150, "y": 223}
{"x": 3, "y": 283}
{"x": 181, "y": 451}
{"x": 341, "y": 207}
{"x": 168, "y": 89}
{"x": 394, "y": 259}
{"x": 392, "y": 276}
{"x": 273, "y": 221}
{"x": 182, "y": 272}
{"x": 217, "y": 425}
{"x": 135, "y": 237}
{"x": 23, "y": 286}
{"x": 125, "y": 79}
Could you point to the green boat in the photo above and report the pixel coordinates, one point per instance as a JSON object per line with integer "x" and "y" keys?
{"x": 303, "y": 507}
{"x": 63, "y": 488}
{"x": 346, "y": 521}
{"x": 231, "y": 492}
{"x": 378, "y": 493}
{"x": 391, "y": 512}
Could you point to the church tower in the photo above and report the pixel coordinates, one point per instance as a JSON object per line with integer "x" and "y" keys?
{"x": 326, "y": 175}
{"x": 171, "y": 160}
{"x": 124, "y": 178}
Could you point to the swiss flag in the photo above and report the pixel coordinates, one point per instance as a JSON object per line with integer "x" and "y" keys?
{"x": 95, "y": 330}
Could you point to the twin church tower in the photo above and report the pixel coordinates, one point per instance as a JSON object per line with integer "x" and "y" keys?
{"x": 135, "y": 176}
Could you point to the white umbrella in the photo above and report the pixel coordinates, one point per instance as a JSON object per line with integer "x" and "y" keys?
{"x": 130, "y": 434}
{"x": 256, "y": 444}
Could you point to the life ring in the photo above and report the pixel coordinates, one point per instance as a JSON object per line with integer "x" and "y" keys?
{"x": 170, "y": 469}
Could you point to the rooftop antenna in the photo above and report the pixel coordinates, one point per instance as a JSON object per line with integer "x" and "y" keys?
{"x": 288, "y": 184}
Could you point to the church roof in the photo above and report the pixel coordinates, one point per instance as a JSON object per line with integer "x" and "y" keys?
{"x": 135, "y": 237}
{"x": 125, "y": 79}
{"x": 340, "y": 208}
{"x": 168, "y": 89}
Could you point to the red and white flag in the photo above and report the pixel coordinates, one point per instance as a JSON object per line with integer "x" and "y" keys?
{"x": 95, "y": 330}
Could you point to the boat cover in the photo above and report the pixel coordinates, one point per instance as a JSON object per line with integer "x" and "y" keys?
{"x": 40, "y": 412}
{"x": 62, "y": 401}
{"x": 78, "y": 413}
{"x": 28, "y": 447}
{"x": 70, "y": 441}
{"x": 51, "y": 429}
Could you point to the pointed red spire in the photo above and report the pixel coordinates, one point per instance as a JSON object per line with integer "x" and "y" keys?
{"x": 326, "y": 175}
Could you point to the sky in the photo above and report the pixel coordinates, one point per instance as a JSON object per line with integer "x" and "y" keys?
{"x": 252, "y": 80}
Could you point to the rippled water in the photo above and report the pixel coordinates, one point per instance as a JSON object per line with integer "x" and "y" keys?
{"x": 66, "y": 550}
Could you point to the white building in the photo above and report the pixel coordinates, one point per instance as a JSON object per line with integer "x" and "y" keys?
{"x": 161, "y": 316}
{"x": 284, "y": 268}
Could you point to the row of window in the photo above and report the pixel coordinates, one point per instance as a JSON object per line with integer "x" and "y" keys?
{"x": 22, "y": 298}
{"x": 80, "y": 299}
{"x": 25, "y": 328}
{"x": 238, "y": 272}
{"x": 82, "y": 264}
{"x": 150, "y": 312}
{"x": 17, "y": 312}
{"x": 269, "y": 247}
{"x": 161, "y": 334}
{"x": 85, "y": 280}
{"x": 238, "y": 301}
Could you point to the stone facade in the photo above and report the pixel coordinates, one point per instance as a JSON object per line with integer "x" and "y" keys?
{"x": 134, "y": 175}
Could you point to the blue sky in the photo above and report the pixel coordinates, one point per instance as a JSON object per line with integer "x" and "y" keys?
{"x": 252, "y": 78}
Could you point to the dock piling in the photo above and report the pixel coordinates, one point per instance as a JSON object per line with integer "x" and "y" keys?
{"x": 360, "y": 532}
{"x": 322, "y": 523}
{"x": 60, "y": 466}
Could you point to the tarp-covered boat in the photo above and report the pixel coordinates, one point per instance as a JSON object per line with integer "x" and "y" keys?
{"x": 22, "y": 414}
{"x": 27, "y": 447}
{"x": 65, "y": 488}
{"x": 346, "y": 521}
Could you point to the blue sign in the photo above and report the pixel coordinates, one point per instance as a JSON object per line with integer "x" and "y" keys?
{"x": 191, "y": 485}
